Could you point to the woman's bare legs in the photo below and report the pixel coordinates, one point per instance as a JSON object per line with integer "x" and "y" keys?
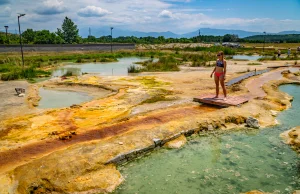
{"x": 217, "y": 86}
{"x": 223, "y": 86}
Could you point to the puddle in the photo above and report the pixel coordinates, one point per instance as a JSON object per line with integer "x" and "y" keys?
{"x": 228, "y": 162}
{"x": 59, "y": 99}
{"x": 246, "y": 57}
{"x": 106, "y": 69}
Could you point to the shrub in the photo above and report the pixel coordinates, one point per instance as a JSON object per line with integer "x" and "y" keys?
{"x": 133, "y": 69}
{"x": 68, "y": 74}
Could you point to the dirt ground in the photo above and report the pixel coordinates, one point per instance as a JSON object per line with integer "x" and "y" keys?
{"x": 68, "y": 149}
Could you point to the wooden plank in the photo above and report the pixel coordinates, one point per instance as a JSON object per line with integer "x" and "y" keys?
{"x": 230, "y": 101}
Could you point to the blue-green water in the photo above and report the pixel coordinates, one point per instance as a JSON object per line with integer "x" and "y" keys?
{"x": 228, "y": 162}
{"x": 106, "y": 69}
{"x": 59, "y": 99}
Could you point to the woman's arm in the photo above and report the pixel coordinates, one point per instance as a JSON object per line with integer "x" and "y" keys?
{"x": 213, "y": 72}
{"x": 225, "y": 68}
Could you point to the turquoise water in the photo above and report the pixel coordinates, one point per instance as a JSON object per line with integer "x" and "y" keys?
{"x": 106, "y": 69}
{"x": 59, "y": 99}
{"x": 222, "y": 162}
{"x": 246, "y": 57}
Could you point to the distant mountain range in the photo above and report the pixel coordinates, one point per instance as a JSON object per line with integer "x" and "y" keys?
{"x": 84, "y": 32}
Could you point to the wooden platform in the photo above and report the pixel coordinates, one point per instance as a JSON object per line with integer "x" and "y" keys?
{"x": 230, "y": 101}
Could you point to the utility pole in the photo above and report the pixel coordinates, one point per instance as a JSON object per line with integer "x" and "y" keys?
{"x": 111, "y": 28}
{"x": 20, "y": 15}
{"x": 264, "y": 42}
{"x": 6, "y": 28}
{"x": 89, "y": 31}
{"x": 199, "y": 36}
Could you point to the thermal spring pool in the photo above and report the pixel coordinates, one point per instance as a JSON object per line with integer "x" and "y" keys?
{"x": 222, "y": 162}
{"x": 59, "y": 99}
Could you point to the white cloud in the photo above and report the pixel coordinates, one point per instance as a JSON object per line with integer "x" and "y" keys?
{"x": 51, "y": 7}
{"x": 6, "y": 12}
{"x": 165, "y": 14}
{"x": 135, "y": 15}
{"x": 93, "y": 11}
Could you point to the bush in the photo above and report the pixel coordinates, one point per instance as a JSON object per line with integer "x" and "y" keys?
{"x": 133, "y": 69}
{"x": 68, "y": 73}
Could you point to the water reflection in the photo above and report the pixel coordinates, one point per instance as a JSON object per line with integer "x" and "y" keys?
{"x": 106, "y": 69}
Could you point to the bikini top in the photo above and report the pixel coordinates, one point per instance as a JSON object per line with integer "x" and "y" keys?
{"x": 220, "y": 63}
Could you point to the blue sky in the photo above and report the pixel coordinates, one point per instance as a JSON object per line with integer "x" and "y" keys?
{"x": 179, "y": 16}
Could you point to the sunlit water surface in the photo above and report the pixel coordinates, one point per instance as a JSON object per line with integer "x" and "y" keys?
{"x": 106, "y": 69}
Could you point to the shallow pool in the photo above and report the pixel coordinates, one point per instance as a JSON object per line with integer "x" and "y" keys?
{"x": 246, "y": 57}
{"x": 106, "y": 69}
{"x": 58, "y": 99}
{"x": 222, "y": 162}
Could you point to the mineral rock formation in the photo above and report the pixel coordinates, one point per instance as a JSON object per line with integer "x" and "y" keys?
{"x": 252, "y": 122}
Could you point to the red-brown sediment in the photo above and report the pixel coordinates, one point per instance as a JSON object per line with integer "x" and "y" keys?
{"x": 28, "y": 152}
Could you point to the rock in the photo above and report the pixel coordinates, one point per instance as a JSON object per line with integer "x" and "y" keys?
{"x": 73, "y": 133}
{"x": 296, "y": 192}
{"x": 20, "y": 90}
{"x": 285, "y": 72}
{"x": 53, "y": 133}
{"x": 65, "y": 137}
{"x": 210, "y": 128}
{"x": 292, "y": 137}
{"x": 157, "y": 141}
{"x": 121, "y": 143}
{"x": 252, "y": 123}
{"x": 176, "y": 143}
{"x": 21, "y": 95}
{"x": 75, "y": 106}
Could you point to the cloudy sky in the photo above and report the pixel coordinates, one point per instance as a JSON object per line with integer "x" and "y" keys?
{"x": 179, "y": 16}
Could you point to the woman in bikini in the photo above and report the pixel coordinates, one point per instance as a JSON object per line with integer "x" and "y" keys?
{"x": 220, "y": 74}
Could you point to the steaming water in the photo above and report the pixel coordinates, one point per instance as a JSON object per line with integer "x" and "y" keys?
{"x": 228, "y": 162}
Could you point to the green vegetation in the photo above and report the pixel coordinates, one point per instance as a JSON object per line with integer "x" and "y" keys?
{"x": 254, "y": 64}
{"x": 16, "y": 72}
{"x": 287, "y": 38}
{"x": 165, "y": 63}
{"x": 68, "y": 74}
{"x": 133, "y": 69}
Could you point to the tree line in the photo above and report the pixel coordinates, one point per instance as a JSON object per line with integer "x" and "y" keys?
{"x": 69, "y": 34}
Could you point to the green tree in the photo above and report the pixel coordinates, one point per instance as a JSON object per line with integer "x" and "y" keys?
{"x": 44, "y": 37}
{"x": 68, "y": 31}
{"x": 28, "y": 36}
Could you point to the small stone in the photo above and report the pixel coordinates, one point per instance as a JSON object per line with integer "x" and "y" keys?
{"x": 73, "y": 133}
{"x": 21, "y": 95}
{"x": 210, "y": 128}
{"x": 157, "y": 141}
{"x": 252, "y": 123}
{"x": 121, "y": 143}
